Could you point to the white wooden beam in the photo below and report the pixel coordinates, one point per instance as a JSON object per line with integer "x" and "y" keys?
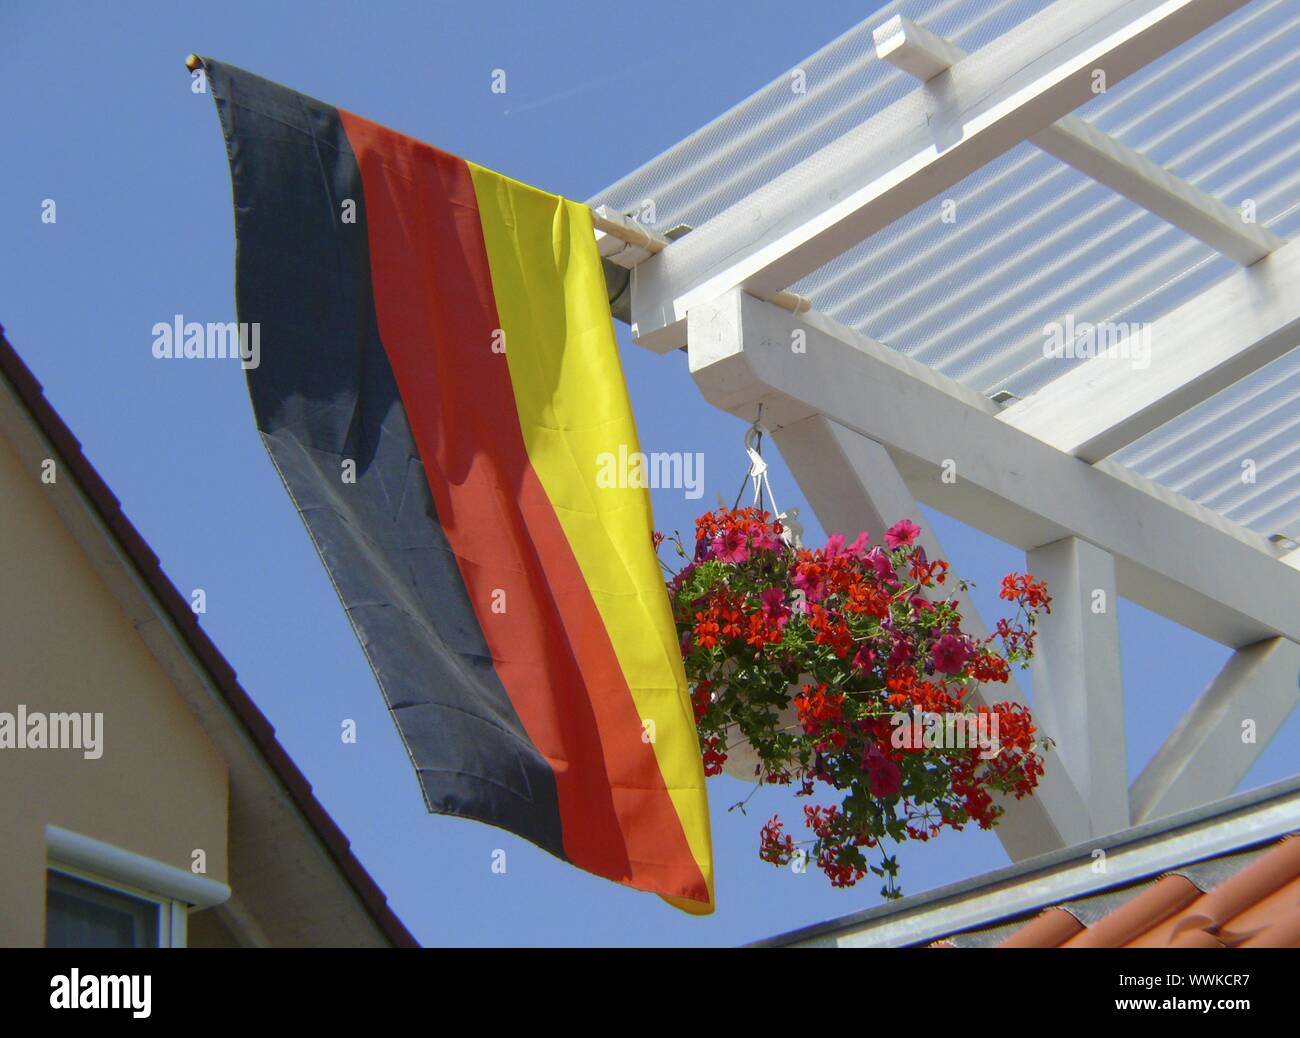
{"x": 1215, "y": 339}
{"x": 921, "y": 53}
{"x": 1223, "y": 733}
{"x": 915, "y": 49}
{"x": 1078, "y": 691}
{"x": 852, "y": 484}
{"x": 907, "y": 154}
{"x": 1172, "y": 556}
{"x": 1149, "y": 185}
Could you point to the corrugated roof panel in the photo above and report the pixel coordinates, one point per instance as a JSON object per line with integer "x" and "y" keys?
{"x": 1238, "y": 453}
{"x": 776, "y": 128}
{"x": 1031, "y": 242}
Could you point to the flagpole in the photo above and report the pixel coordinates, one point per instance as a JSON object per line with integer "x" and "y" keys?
{"x": 623, "y": 241}
{"x": 632, "y": 244}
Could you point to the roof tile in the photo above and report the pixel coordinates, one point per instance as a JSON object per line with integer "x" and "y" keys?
{"x": 1155, "y": 904}
{"x": 1247, "y": 899}
{"x": 1049, "y": 930}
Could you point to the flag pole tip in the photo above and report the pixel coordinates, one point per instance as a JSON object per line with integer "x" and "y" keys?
{"x": 193, "y": 62}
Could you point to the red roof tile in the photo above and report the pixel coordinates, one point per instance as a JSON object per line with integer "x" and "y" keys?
{"x": 1258, "y": 907}
{"x": 1050, "y": 930}
{"x": 1156, "y": 903}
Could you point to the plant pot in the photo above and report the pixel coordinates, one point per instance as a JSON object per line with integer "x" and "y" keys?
{"x": 742, "y": 759}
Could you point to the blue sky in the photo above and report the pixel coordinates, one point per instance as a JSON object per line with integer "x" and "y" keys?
{"x": 97, "y": 114}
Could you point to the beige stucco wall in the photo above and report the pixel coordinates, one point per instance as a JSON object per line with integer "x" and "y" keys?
{"x": 159, "y": 789}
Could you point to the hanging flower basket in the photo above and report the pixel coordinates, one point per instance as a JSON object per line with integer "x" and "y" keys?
{"x": 844, "y": 672}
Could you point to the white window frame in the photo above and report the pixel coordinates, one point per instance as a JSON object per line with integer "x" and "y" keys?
{"x": 172, "y": 914}
{"x": 173, "y": 890}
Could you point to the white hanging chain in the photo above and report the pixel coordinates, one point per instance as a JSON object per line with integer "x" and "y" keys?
{"x": 791, "y": 528}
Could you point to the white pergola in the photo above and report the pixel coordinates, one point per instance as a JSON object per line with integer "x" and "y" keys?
{"x": 873, "y": 262}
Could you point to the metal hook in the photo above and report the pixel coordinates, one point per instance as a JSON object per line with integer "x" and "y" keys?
{"x": 754, "y": 434}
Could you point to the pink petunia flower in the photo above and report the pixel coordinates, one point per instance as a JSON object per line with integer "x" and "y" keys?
{"x": 901, "y": 652}
{"x": 902, "y": 532}
{"x": 731, "y": 546}
{"x": 811, "y": 581}
{"x": 774, "y": 607}
{"x": 950, "y": 653}
{"x": 864, "y": 658}
{"x": 883, "y": 775}
{"x": 878, "y": 559}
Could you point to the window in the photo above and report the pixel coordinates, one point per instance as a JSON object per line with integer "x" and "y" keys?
{"x": 84, "y": 910}
{"x": 102, "y": 896}
{"x": 79, "y": 914}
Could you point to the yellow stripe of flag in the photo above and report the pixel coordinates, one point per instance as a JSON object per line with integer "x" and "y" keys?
{"x": 573, "y": 407}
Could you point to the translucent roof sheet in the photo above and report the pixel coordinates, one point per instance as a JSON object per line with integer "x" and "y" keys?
{"x": 1238, "y": 453}
{"x": 1034, "y": 241}
{"x": 775, "y": 128}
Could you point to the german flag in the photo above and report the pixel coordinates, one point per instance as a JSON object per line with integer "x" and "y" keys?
{"x": 438, "y": 377}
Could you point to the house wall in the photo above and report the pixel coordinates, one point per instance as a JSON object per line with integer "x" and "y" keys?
{"x": 160, "y": 787}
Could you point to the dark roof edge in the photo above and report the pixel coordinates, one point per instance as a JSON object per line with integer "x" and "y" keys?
{"x": 1285, "y": 789}
{"x": 223, "y": 676}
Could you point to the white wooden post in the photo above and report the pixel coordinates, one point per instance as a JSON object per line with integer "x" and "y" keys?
{"x": 1078, "y": 694}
